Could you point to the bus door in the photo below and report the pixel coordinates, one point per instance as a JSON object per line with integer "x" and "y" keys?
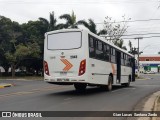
{"x": 118, "y": 60}
{"x": 133, "y": 68}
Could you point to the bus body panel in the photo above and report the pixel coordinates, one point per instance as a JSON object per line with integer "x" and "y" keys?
{"x": 99, "y": 71}
{"x": 125, "y": 72}
{"x": 64, "y": 64}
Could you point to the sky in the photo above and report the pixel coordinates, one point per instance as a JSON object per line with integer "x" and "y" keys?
{"x": 24, "y": 10}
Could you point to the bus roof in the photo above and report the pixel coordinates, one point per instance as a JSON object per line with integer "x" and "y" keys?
{"x": 102, "y": 39}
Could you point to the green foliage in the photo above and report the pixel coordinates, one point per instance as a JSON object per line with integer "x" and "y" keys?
{"x": 10, "y": 57}
{"x": 70, "y": 20}
{"x": 91, "y": 26}
{"x": 34, "y": 50}
{"x": 21, "y": 51}
{"x": 22, "y": 44}
{"x": 115, "y": 31}
{"x": 120, "y": 44}
{"x": 19, "y": 41}
{"x": 51, "y": 24}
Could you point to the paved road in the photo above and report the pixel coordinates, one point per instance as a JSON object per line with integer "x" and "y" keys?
{"x": 37, "y": 95}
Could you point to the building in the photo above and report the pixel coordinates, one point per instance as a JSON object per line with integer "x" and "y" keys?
{"x": 149, "y": 63}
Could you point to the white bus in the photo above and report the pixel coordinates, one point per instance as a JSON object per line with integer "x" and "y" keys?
{"x": 80, "y": 58}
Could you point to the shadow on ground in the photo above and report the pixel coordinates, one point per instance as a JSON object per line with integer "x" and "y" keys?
{"x": 88, "y": 91}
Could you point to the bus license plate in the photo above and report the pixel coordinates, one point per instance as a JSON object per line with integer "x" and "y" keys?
{"x": 63, "y": 73}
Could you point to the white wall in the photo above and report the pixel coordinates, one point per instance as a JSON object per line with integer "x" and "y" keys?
{"x": 2, "y": 69}
{"x": 154, "y": 69}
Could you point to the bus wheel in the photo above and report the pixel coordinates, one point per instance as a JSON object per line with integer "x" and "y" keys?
{"x": 80, "y": 87}
{"x": 109, "y": 86}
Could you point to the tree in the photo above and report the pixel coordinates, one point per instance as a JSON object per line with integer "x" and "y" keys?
{"x": 120, "y": 43}
{"x": 70, "y": 20}
{"x": 115, "y": 31}
{"x": 132, "y": 49}
{"x": 130, "y": 46}
{"x": 21, "y": 52}
{"x": 90, "y": 25}
{"x": 13, "y": 47}
{"x": 33, "y": 32}
{"x": 52, "y": 23}
{"x": 10, "y": 31}
{"x": 4, "y": 41}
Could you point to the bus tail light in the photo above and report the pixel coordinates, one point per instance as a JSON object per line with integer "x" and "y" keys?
{"x": 82, "y": 67}
{"x": 46, "y": 70}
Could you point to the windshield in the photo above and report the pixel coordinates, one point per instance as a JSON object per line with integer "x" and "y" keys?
{"x": 64, "y": 41}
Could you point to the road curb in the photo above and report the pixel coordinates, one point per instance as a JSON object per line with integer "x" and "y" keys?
{"x": 3, "y": 85}
{"x": 151, "y": 105}
{"x": 155, "y": 107}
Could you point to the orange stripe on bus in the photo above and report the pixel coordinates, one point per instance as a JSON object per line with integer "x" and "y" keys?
{"x": 113, "y": 69}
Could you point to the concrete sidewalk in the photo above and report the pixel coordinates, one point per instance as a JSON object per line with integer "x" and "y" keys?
{"x": 152, "y": 104}
{"x": 157, "y": 105}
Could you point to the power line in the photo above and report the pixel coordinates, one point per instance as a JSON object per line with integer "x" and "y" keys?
{"x": 76, "y": 2}
{"x": 142, "y": 37}
{"x": 131, "y": 21}
{"x": 132, "y": 37}
{"x": 132, "y": 34}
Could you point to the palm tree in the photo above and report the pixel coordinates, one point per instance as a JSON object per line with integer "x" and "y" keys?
{"x": 91, "y": 26}
{"x": 130, "y": 46}
{"x": 102, "y": 32}
{"x": 134, "y": 51}
{"x": 70, "y": 20}
{"x": 51, "y": 24}
{"x": 120, "y": 43}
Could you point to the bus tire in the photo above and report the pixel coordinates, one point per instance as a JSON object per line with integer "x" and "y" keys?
{"x": 110, "y": 81}
{"x": 80, "y": 87}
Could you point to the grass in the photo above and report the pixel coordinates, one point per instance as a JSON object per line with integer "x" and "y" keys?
{"x": 23, "y": 77}
{"x": 142, "y": 78}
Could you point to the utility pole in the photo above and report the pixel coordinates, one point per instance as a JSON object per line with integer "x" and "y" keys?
{"x": 138, "y": 38}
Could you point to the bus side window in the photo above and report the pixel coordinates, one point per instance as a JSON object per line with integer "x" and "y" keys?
{"x": 106, "y": 52}
{"x": 125, "y": 59}
{"x": 130, "y": 62}
{"x": 91, "y": 47}
{"x": 122, "y": 58}
{"x": 113, "y": 58}
{"x": 99, "y": 50}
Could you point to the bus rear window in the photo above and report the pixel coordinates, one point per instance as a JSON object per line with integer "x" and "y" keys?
{"x": 64, "y": 41}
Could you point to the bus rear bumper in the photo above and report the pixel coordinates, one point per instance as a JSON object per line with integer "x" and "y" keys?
{"x": 68, "y": 80}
